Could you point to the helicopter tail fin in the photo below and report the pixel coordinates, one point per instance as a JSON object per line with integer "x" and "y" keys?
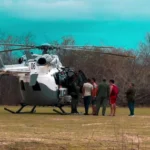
{"x": 28, "y": 55}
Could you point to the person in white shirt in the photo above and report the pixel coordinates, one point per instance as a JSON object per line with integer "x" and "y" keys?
{"x": 87, "y": 94}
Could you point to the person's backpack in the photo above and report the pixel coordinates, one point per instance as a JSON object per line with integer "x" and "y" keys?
{"x": 115, "y": 90}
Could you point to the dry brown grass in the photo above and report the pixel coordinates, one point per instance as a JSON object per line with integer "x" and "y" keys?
{"x": 48, "y": 131}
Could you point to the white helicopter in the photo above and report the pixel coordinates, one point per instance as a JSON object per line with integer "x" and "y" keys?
{"x": 44, "y": 81}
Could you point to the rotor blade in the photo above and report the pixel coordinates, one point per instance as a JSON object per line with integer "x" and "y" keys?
{"x": 16, "y": 49}
{"x": 104, "y": 53}
{"x": 68, "y": 47}
{"x": 27, "y": 48}
{"x": 8, "y": 44}
{"x": 52, "y": 47}
{"x": 88, "y": 46}
{"x": 83, "y": 48}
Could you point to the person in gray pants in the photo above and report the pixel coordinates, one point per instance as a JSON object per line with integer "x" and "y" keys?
{"x": 102, "y": 97}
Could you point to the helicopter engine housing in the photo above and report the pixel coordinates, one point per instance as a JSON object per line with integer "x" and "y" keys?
{"x": 41, "y": 61}
{"x": 52, "y": 60}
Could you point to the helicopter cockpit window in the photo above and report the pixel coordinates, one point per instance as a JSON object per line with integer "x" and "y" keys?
{"x": 36, "y": 87}
{"x": 22, "y": 85}
{"x": 60, "y": 78}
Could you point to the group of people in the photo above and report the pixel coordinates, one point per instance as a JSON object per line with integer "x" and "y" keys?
{"x": 102, "y": 94}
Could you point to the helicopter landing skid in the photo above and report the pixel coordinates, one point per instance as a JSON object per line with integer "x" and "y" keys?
{"x": 19, "y": 110}
{"x": 62, "y": 111}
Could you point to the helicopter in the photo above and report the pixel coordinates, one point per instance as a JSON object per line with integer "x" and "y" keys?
{"x": 43, "y": 80}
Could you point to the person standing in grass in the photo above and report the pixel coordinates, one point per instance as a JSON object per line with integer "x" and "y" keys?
{"x": 102, "y": 97}
{"x": 130, "y": 95}
{"x": 75, "y": 97}
{"x": 94, "y": 94}
{"x": 87, "y": 94}
{"x": 113, "y": 97}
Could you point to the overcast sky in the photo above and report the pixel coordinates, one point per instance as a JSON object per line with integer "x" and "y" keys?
{"x": 127, "y": 17}
{"x": 77, "y": 9}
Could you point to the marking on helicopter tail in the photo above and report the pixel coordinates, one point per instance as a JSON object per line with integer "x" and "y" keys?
{"x": 33, "y": 67}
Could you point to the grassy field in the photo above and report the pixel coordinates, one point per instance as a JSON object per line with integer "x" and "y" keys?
{"x": 46, "y": 130}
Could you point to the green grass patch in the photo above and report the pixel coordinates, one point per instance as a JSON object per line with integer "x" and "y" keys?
{"x": 47, "y": 130}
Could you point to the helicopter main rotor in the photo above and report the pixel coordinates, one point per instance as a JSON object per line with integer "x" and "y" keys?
{"x": 46, "y": 47}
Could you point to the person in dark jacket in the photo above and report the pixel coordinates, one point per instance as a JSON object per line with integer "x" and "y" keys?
{"x": 102, "y": 97}
{"x": 74, "y": 91}
{"x": 75, "y": 98}
{"x": 130, "y": 95}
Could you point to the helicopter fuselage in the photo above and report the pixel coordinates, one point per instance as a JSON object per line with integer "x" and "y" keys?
{"x": 45, "y": 82}
{"x": 40, "y": 75}
{"x": 45, "y": 91}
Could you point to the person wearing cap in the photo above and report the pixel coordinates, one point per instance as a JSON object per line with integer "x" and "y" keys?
{"x": 102, "y": 97}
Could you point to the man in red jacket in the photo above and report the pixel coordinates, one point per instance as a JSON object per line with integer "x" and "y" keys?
{"x": 113, "y": 97}
{"x": 94, "y": 94}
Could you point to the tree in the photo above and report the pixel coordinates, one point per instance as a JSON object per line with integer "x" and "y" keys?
{"x": 9, "y": 85}
{"x": 122, "y": 70}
